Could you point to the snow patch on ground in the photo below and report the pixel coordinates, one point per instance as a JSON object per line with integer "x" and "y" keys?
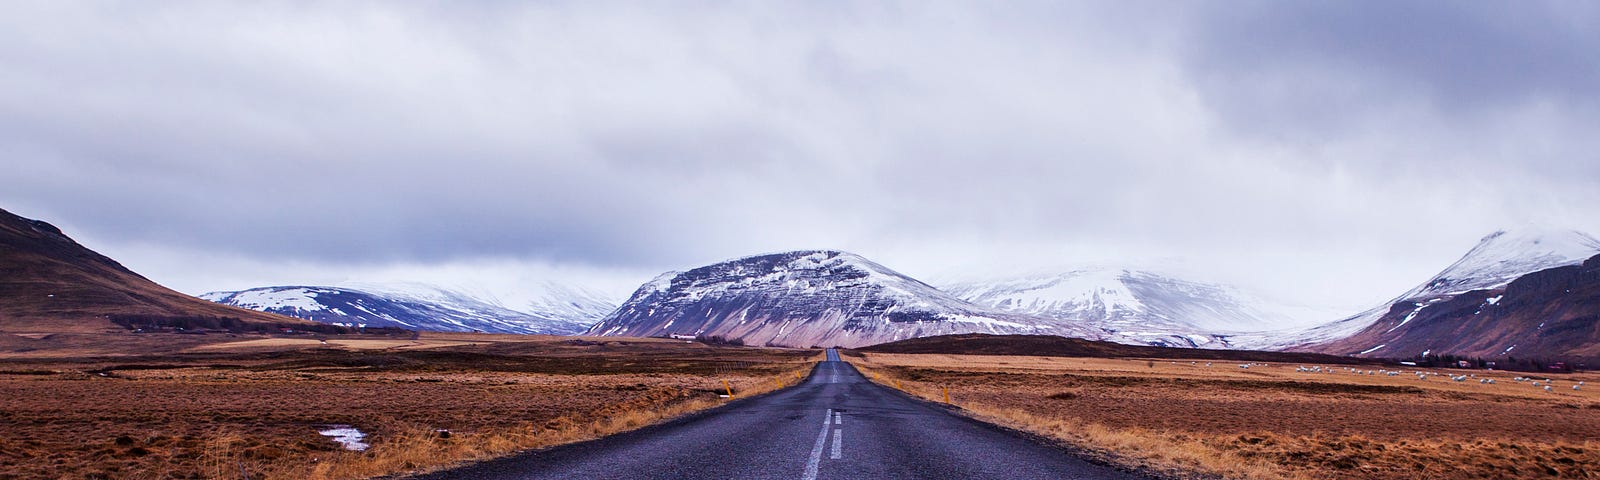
{"x": 348, "y": 436}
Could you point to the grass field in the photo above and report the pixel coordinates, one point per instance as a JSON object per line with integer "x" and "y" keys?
{"x": 1191, "y": 419}
{"x": 253, "y": 406}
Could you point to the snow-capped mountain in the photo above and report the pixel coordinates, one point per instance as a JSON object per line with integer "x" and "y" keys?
{"x": 416, "y": 307}
{"x": 807, "y": 298}
{"x": 1498, "y": 259}
{"x": 1549, "y": 314}
{"x": 540, "y": 299}
{"x": 554, "y": 300}
{"x": 1138, "y": 307}
{"x": 1502, "y": 256}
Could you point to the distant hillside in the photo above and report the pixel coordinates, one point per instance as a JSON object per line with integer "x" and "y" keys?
{"x": 1053, "y": 346}
{"x": 1139, "y": 307}
{"x": 50, "y": 283}
{"x": 806, "y": 298}
{"x": 415, "y": 307}
{"x": 1551, "y": 314}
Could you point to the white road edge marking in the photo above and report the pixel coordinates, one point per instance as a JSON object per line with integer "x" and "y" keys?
{"x": 837, "y": 450}
{"x": 816, "y": 452}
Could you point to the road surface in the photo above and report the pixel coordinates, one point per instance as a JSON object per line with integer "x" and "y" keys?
{"x": 835, "y": 425}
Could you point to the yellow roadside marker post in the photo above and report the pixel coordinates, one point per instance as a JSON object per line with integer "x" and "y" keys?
{"x": 728, "y": 387}
{"x": 946, "y": 394}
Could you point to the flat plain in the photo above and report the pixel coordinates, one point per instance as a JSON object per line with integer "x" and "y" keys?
{"x": 253, "y": 405}
{"x": 1213, "y": 418}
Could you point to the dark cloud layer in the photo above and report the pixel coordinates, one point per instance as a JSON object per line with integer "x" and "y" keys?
{"x": 1358, "y": 140}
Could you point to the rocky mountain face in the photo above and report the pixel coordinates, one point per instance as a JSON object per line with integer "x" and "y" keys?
{"x": 1551, "y": 314}
{"x": 50, "y": 283}
{"x": 807, "y": 298}
{"x": 1138, "y": 307}
{"x": 1503, "y": 297}
{"x": 409, "y": 306}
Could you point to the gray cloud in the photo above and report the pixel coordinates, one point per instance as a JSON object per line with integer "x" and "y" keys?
{"x": 1364, "y": 144}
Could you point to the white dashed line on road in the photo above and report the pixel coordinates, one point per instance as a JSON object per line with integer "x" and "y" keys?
{"x": 837, "y": 449}
{"x": 816, "y": 452}
{"x": 838, "y": 419}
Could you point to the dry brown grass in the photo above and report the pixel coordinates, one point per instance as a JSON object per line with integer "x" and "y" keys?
{"x": 269, "y": 344}
{"x": 418, "y": 450}
{"x": 1269, "y": 422}
{"x": 227, "y": 414}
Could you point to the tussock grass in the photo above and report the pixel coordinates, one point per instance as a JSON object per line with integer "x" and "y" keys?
{"x": 1138, "y": 448}
{"x": 1255, "y": 455}
{"x": 421, "y": 450}
{"x": 255, "y": 415}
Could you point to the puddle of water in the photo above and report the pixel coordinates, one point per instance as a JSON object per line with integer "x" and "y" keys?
{"x": 346, "y": 435}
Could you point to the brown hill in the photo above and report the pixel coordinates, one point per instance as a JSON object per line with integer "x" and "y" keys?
{"x": 1053, "y": 346}
{"x": 50, "y": 283}
{"x": 1551, "y": 314}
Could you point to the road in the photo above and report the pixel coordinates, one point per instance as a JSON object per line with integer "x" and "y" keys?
{"x": 835, "y": 425}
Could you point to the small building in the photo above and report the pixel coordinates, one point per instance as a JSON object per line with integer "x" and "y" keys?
{"x": 679, "y": 336}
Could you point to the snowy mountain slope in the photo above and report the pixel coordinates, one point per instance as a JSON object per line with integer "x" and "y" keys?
{"x": 807, "y": 298}
{"x": 555, "y": 300}
{"x": 1138, "y": 307}
{"x": 411, "y": 306}
{"x": 1548, "y": 314}
{"x": 542, "y": 299}
{"x": 1502, "y": 256}
{"x": 1497, "y": 260}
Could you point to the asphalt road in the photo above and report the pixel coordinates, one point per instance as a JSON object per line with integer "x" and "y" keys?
{"x": 834, "y": 425}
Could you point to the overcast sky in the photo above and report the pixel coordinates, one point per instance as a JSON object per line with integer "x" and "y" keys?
{"x": 1329, "y": 152}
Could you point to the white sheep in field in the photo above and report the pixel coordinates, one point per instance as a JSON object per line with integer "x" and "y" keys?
{"x": 1546, "y": 388}
{"x": 1576, "y": 387}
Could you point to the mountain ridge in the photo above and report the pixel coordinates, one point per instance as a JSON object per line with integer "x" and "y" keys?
{"x": 1139, "y": 307}
{"x": 1499, "y": 259}
{"x": 409, "y": 305}
{"x": 803, "y": 298}
{"x": 50, "y": 282}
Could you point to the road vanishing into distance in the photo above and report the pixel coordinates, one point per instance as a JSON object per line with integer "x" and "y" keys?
{"x": 835, "y": 425}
